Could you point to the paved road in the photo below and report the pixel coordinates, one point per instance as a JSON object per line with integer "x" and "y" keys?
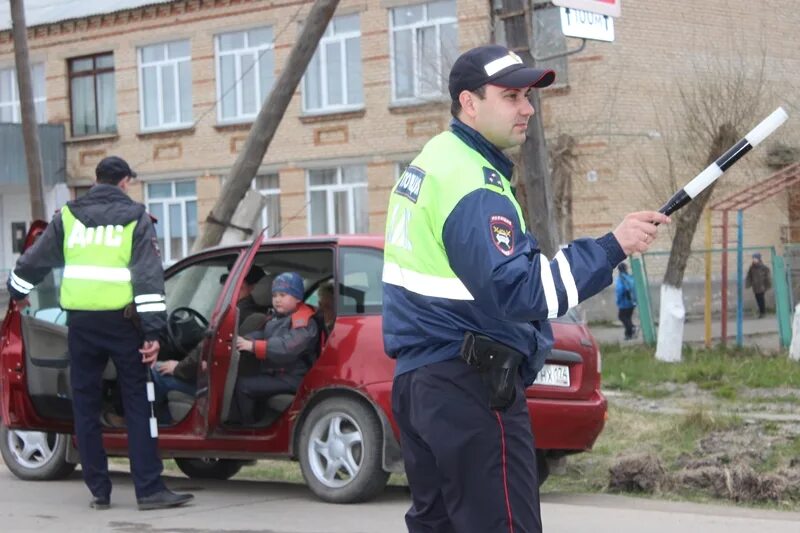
{"x": 240, "y": 506}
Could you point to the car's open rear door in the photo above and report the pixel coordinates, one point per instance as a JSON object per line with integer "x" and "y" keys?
{"x": 34, "y": 362}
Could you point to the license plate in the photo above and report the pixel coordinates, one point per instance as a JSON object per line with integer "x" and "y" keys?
{"x": 553, "y": 375}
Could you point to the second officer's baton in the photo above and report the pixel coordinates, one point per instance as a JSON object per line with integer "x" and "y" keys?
{"x": 724, "y": 162}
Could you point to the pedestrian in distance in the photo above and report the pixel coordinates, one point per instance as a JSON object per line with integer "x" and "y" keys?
{"x": 113, "y": 292}
{"x": 626, "y": 300}
{"x": 466, "y": 302}
{"x": 758, "y": 277}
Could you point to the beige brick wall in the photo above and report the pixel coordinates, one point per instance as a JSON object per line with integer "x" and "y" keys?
{"x": 617, "y": 93}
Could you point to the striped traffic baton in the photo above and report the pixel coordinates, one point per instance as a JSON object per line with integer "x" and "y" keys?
{"x": 724, "y": 162}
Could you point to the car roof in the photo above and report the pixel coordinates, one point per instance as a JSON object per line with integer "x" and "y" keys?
{"x": 372, "y": 241}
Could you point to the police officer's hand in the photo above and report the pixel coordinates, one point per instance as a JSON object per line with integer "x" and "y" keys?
{"x": 23, "y": 303}
{"x": 638, "y": 230}
{"x": 149, "y": 351}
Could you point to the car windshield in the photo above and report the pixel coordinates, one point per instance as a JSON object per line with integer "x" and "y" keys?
{"x": 572, "y": 316}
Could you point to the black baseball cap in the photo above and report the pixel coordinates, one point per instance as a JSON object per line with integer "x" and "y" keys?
{"x": 496, "y": 65}
{"x": 113, "y": 169}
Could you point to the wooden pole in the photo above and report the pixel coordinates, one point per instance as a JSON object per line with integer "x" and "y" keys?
{"x": 30, "y": 133}
{"x": 266, "y": 123}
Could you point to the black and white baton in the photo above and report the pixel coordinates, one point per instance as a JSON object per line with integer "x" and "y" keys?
{"x": 151, "y": 397}
{"x": 724, "y": 162}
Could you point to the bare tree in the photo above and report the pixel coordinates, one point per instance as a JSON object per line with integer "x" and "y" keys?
{"x": 726, "y": 98}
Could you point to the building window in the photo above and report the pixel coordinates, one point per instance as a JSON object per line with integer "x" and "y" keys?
{"x": 165, "y": 85}
{"x": 424, "y": 47}
{"x": 269, "y": 188}
{"x": 80, "y": 190}
{"x": 245, "y": 72}
{"x": 333, "y": 78}
{"x": 338, "y": 200}
{"x": 9, "y": 95}
{"x": 92, "y": 95}
{"x": 174, "y": 204}
{"x": 399, "y": 168}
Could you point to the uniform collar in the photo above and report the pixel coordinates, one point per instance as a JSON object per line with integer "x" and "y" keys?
{"x": 480, "y": 144}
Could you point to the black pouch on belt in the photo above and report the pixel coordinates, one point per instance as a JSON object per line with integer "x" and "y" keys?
{"x": 498, "y": 365}
{"x": 129, "y": 312}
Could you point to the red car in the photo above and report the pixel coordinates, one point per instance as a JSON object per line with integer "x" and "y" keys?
{"x": 339, "y": 425}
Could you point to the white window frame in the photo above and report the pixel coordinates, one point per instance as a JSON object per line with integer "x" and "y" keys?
{"x": 329, "y": 37}
{"x": 256, "y": 52}
{"x": 166, "y": 202}
{"x": 415, "y": 27}
{"x": 175, "y": 63}
{"x": 330, "y": 196}
{"x": 39, "y": 102}
{"x": 267, "y": 193}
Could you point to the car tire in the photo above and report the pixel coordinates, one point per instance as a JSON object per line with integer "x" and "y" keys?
{"x": 542, "y": 467}
{"x": 35, "y": 455}
{"x": 340, "y": 451}
{"x": 209, "y": 468}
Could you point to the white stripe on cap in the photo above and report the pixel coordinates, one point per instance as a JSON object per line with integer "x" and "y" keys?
{"x": 493, "y": 67}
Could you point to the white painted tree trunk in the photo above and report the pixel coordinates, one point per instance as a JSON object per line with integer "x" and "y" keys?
{"x": 670, "y": 324}
{"x": 794, "y": 348}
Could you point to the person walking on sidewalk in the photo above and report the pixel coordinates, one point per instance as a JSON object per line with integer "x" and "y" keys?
{"x": 626, "y": 300}
{"x": 758, "y": 277}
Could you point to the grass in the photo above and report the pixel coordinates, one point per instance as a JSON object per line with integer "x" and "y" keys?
{"x": 724, "y": 372}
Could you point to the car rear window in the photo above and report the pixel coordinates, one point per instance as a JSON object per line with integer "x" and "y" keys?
{"x": 360, "y": 287}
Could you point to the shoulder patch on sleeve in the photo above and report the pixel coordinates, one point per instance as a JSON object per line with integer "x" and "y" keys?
{"x": 501, "y": 231}
{"x": 492, "y": 177}
{"x": 410, "y": 183}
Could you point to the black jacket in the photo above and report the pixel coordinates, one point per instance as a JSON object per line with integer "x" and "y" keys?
{"x": 103, "y": 204}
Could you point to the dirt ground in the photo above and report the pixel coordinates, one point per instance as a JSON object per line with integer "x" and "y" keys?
{"x": 756, "y": 459}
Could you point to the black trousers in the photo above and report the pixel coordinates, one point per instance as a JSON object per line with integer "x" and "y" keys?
{"x": 470, "y": 469}
{"x": 250, "y": 389}
{"x": 762, "y": 308}
{"x": 626, "y": 317}
{"x": 93, "y": 337}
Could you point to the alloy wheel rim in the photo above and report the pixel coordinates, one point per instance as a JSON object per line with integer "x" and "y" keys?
{"x": 33, "y": 449}
{"x": 336, "y": 450}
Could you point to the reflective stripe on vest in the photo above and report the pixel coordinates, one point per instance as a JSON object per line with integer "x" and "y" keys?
{"x": 439, "y": 177}
{"x": 96, "y": 274}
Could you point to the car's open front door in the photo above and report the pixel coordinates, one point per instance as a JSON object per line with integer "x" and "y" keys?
{"x": 34, "y": 385}
{"x": 219, "y": 355}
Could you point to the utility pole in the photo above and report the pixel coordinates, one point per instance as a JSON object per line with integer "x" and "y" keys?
{"x": 517, "y": 22}
{"x": 266, "y": 123}
{"x": 30, "y": 133}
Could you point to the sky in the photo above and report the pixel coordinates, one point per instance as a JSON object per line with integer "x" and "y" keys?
{"x": 46, "y": 11}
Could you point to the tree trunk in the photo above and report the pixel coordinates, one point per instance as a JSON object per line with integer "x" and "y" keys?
{"x": 672, "y": 313}
{"x": 30, "y": 133}
{"x": 266, "y": 124}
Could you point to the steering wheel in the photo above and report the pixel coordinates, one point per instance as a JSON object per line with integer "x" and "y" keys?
{"x": 185, "y": 329}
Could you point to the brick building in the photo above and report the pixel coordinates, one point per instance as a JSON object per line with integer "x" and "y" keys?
{"x": 173, "y": 86}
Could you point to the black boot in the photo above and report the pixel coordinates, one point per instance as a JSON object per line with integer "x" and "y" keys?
{"x": 162, "y": 500}
{"x": 100, "y": 503}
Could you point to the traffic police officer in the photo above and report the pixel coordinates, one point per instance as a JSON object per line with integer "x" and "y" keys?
{"x": 467, "y": 298}
{"x": 107, "y": 246}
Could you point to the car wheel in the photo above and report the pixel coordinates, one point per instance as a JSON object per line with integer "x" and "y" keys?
{"x": 542, "y": 467}
{"x": 209, "y": 467}
{"x": 340, "y": 451}
{"x": 35, "y": 455}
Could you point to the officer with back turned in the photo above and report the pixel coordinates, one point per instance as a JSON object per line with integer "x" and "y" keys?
{"x": 113, "y": 291}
